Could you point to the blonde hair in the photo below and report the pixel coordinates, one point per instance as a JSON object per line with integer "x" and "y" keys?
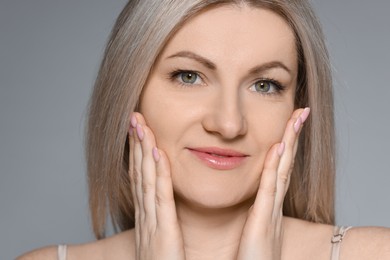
{"x": 141, "y": 31}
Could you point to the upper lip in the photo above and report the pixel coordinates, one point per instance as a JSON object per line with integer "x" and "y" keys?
{"x": 219, "y": 151}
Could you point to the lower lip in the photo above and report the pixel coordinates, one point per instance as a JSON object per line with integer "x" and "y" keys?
{"x": 219, "y": 162}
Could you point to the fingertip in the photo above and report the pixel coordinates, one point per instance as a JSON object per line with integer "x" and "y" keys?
{"x": 140, "y": 132}
{"x": 297, "y": 125}
{"x": 156, "y": 154}
{"x": 138, "y": 118}
{"x": 305, "y": 114}
{"x": 272, "y": 158}
{"x": 281, "y": 148}
{"x": 133, "y": 121}
{"x": 295, "y": 115}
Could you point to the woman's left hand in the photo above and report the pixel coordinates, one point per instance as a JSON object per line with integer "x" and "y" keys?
{"x": 263, "y": 231}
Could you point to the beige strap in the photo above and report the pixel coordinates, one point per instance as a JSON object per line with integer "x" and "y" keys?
{"x": 61, "y": 252}
{"x": 338, "y": 235}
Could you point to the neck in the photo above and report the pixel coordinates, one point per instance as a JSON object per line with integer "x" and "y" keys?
{"x": 214, "y": 231}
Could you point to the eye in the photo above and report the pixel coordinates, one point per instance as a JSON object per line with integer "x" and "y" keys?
{"x": 188, "y": 77}
{"x": 266, "y": 86}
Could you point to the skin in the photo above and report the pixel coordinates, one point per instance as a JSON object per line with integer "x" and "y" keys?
{"x": 185, "y": 209}
{"x": 221, "y": 109}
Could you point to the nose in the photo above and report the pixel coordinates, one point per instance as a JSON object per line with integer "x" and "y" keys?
{"x": 225, "y": 116}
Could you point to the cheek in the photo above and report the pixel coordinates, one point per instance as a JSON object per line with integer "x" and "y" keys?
{"x": 160, "y": 112}
{"x": 268, "y": 128}
{"x": 157, "y": 119}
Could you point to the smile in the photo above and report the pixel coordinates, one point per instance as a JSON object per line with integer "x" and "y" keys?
{"x": 218, "y": 158}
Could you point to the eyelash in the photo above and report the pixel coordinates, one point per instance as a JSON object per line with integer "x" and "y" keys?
{"x": 174, "y": 74}
{"x": 279, "y": 88}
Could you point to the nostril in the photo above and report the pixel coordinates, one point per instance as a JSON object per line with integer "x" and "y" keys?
{"x": 225, "y": 118}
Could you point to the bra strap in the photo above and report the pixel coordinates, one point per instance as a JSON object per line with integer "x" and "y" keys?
{"x": 61, "y": 255}
{"x": 338, "y": 235}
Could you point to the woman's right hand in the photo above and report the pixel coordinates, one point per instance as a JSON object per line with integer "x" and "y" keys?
{"x": 157, "y": 230}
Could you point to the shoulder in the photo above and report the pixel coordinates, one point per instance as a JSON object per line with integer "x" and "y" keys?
{"x": 49, "y": 252}
{"x": 366, "y": 243}
{"x": 119, "y": 246}
{"x": 306, "y": 240}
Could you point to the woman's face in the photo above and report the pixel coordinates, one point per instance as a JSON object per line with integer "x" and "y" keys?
{"x": 218, "y": 98}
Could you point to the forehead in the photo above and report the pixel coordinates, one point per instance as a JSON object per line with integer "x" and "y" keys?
{"x": 236, "y": 33}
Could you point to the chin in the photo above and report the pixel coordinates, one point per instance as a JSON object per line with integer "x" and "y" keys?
{"x": 211, "y": 195}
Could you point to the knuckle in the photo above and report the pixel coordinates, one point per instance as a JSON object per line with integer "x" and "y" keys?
{"x": 135, "y": 177}
{"x": 161, "y": 200}
{"x": 291, "y": 168}
{"x": 147, "y": 187}
{"x": 268, "y": 191}
{"x": 131, "y": 176}
{"x": 284, "y": 178}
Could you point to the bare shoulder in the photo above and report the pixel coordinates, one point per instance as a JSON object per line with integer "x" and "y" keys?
{"x": 366, "y": 243}
{"x": 45, "y": 253}
{"x": 306, "y": 240}
{"x": 119, "y": 246}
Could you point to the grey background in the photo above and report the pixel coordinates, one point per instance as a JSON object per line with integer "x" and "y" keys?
{"x": 49, "y": 56}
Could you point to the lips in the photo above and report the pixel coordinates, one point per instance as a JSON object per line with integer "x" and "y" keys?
{"x": 219, "y": 158}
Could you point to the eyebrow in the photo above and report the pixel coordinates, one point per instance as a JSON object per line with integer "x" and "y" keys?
{"x": 209, "y": 64}
{"x": 187, "y": 54}
{"x": 269, "y": 65}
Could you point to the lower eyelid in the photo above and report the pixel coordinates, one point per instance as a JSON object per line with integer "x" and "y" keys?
{"x": 277, "y": 88}
{"x": 176, "y": 77}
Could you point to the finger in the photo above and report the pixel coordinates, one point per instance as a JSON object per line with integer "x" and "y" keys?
{"x": 165, "y": 203}
{"x": 290, "y": 138}
{"x": 137, "y": 169}
{"x": 148, "y": 173}
{"x": 265, "y": 199}
{"x": 131, "y": 169}
{"x": 132, "y": 133}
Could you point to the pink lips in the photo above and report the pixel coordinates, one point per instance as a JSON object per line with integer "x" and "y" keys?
{"x": 218, "y": 158}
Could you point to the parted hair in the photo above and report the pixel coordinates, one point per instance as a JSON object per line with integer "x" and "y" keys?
{"x": 140, "y": 33}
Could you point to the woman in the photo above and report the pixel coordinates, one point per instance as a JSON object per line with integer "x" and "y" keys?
{"x": 199, "y": 117}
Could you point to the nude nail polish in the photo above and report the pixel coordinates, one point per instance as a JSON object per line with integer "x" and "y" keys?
{"x": 140, "y": 132}
{"x": 297, "y": 124}
{"x": 305, "y": 114}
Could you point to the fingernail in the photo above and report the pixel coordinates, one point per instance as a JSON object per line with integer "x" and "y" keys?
{"x": 140, "y": 132}
{"x": 297, "y": 124}
{"x": 305, "y": 114}
{"x": 131, "y": 131}
{"x": 133, "y": 121}
{"x": 281, "y": 148}
{"x": 156, "y": 155}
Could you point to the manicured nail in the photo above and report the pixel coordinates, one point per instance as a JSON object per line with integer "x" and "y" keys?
{"x": 305, "y": 114}
{"x": 140, "y": 132}
{"x": 133, "y": 121}
{"x": 281, "y": 147}
{"x": 156, "y": 155}
{"x": 297, "y": 124}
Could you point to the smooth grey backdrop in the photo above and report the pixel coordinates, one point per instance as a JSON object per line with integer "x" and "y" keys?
{"x": 49, "y": 56}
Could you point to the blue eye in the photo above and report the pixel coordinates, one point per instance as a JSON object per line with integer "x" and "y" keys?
{"x": 266, "y": 86}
